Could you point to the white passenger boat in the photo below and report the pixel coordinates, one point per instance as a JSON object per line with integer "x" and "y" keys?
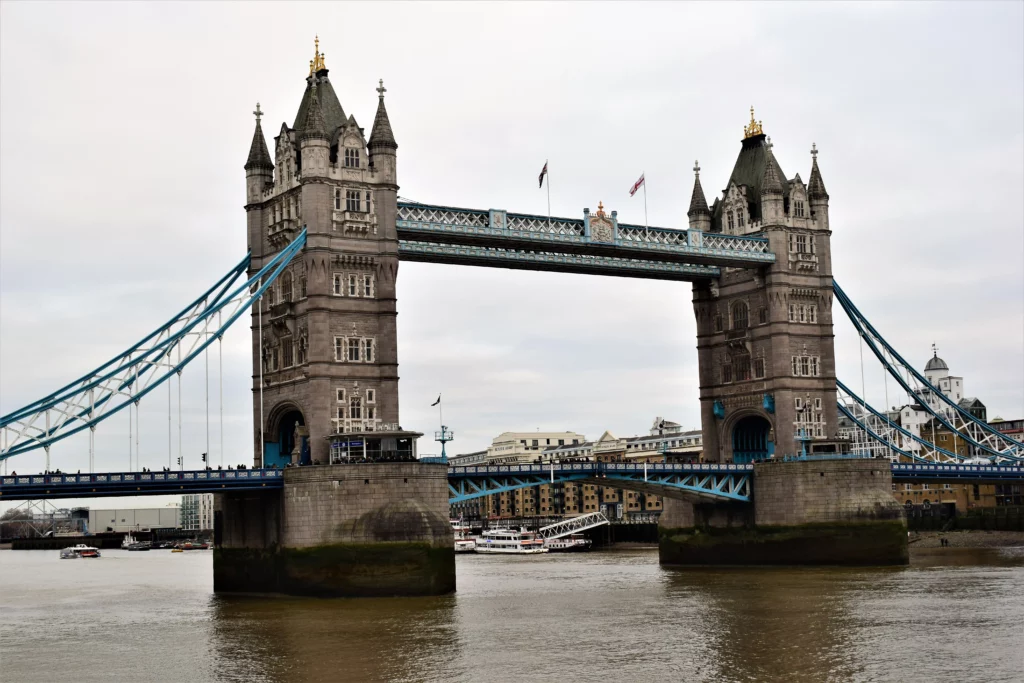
{"x": 574, "y": 543}
{"x": 80, "y": 550}
{"x": 464, "y": 543}
{"x": 510, "y": 542}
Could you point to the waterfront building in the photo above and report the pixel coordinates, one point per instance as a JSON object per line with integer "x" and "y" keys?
{"x": 197, "y": 512}
{"x": 142, "y": 519}
{"x": 666, "y": 441}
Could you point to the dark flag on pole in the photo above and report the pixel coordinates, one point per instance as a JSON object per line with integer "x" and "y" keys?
{"x": 543, "y": 172}
{"x": 437, "y": 401}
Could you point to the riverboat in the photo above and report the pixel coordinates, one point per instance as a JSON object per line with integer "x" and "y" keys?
{"x": 129, "y": 542}
{"x": 574, "y": 543}
{"x": 464, "y": 543}
{"x": 80, "y": 550}
{"x": 510, "y": 542}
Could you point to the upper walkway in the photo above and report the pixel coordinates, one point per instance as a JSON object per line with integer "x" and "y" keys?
{"x": 712, "y": 480}
{"x": 593, "y": 244}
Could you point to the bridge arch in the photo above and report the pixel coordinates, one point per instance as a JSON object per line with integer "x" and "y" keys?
{"x": 750, "y": 436}
{"x": 285, "y": 428}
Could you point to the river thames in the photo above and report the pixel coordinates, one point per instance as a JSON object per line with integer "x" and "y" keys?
{"x": 953, "y": 615}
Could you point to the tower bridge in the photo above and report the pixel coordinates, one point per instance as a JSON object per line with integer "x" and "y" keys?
{"x": 327, "y": 232}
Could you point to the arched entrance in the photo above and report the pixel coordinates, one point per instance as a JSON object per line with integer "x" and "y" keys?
{"x": 750, "y": 439}
{"x": 287, "y": 440}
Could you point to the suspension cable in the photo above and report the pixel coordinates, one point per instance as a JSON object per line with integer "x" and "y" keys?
{"x": 259, "y": 307}
{"x": 220, "y": 379}
{"x": 181, "y": 463}
{"x": 206, "y": 384}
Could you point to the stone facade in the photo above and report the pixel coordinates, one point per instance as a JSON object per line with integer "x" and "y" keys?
{"x": 349, "y": 530}
{"x": 764, "y": 336}
{"x": 837, "y": 511}
{"x": 327, "y": 361}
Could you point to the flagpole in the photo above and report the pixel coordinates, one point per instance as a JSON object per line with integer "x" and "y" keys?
{"x": 549, "y": 193}
{"x": 646, "y": 227}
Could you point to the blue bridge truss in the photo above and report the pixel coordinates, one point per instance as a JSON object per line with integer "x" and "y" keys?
{"x": 722, "y": 482}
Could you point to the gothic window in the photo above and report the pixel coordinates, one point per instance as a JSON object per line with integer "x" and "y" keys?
{"x": 302, "y": 287}
{"x": 367, "y": 200}
{"x": 739, "y": 316}
{"x": 275, "y": 358}
{"x": 798, "y": 208}
{"x": 353, "y": 349}
{"x": 337, "y": 199}
{"x": 371, "y": 396}
{"x": 351, "y": 158}
{"x": 368, "y": 350}
{"x": 301, "y": 351}
{"x": 351, "y": 285}
{"x": 802, "y": 311}
{"x": 338, "y": 284}
{"x": 271, "y": 291}
{"x": 726, "y": 373}
{"x": 762, "y": 315}
{"x": 739, "y": 218}
{"x": 741, "y": 368}
{"x": 355, "y": 408}
{"x": 370, "y": 412}
{"x": 286, "y": 287}
{"x": 731, "y": 222}
{"x": 352, "y": 201}
{"x": 718, "y": 323}
{"x": 759, "y": 368}
{"x": 806, "y": 366}
{"x": 339, "y": 349}
{"x": 287, "y": 352}
{"x": 812, "y": 313}
{"x": 341, "y": 395}
{"x": 367, "y": 285}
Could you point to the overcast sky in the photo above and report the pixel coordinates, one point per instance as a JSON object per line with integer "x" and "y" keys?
{"x": 124, "y": 128}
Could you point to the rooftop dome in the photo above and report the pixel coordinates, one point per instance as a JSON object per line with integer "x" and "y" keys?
{"x": 935, "y": 363}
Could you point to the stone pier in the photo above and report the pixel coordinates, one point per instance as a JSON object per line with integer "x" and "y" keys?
{"x": 822, "y": 512}
{"x": 339, "y": 531}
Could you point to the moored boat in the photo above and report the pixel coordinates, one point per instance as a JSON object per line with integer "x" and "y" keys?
{"x": 510, "y": 542}
{"x": 574, "y": 543}
{"x": 464, "y": 543}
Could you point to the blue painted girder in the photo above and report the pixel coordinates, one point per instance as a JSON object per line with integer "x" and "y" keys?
{"x": 725, "y": 481}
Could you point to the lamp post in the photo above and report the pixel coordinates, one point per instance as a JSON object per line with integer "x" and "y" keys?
{"x": 443, "y": 437}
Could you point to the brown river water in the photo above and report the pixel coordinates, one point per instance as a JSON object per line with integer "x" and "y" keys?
{"x": 953, "y": 615}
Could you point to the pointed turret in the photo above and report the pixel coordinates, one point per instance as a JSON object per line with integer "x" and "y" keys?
{"x": 816, "y": 192}
{"x": 382, "y": 145}
{"x": 816, "y": 188}
{"x": 771, "y": 188}
{"x": 314, "y": 126}
{"x": 700, "y": 216}
{"x": 259, "y": 155}
{"x": 381, "y": 135}
{"x": 259, "y": 168}
{"x": 314, "y": 145}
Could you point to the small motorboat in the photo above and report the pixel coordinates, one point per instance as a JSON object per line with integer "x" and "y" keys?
{"x": 177, "y": 550}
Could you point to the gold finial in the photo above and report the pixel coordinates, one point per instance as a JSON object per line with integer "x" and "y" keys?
{"x": 317, "y": 62}
{"x": 753, "y": 128}
{"x": 600, "y": 209}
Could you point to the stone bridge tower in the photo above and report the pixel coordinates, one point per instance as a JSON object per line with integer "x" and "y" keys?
{"x": 325, "y": 358}
{"x": 764, "y": 337}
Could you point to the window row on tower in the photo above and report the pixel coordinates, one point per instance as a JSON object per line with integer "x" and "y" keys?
{"x": 803, "y": 313}
{"x": 352, "y": 200}
{"x": 354, "y": 349}
{"x": 354, "y": 285}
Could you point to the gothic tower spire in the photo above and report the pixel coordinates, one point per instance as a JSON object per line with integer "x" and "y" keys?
{"x": 771, "y": 188}
{"x": 382, "y": 145}
{"x": 816, "y": 192}
{"x": 700, "y": 216}
{"x": 259, "y": 169}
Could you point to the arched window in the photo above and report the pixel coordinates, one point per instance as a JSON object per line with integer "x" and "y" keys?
{"x": 355, "y": 408}
{"x": 763, "y": 315}
{"x": 732, "y": 222}
{"x": 739, "y": 315}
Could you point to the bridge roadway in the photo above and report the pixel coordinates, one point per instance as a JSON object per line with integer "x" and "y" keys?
{"x": 709, "y": 480}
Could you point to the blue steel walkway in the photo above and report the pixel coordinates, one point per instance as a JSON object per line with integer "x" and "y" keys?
{"x": 718, "y": 481}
